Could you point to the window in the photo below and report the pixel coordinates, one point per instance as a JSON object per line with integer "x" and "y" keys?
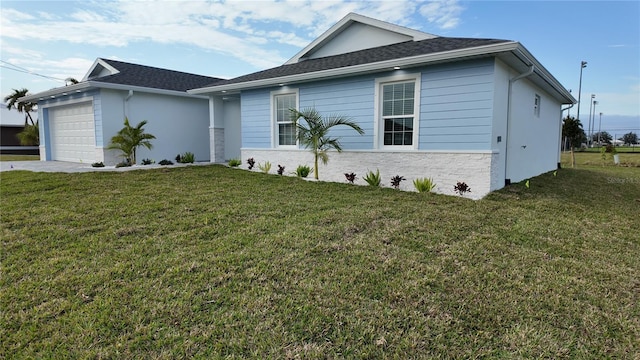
{"x": 397, "y": 102}
{"x": 397, "y": 113}
{"x": 536, "y": 106}
{"x": 285, "y": 130}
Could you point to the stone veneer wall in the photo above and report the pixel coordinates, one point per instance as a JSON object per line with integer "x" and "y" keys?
{"x": 216, "y": 147}
{"x": 478, "y": 169}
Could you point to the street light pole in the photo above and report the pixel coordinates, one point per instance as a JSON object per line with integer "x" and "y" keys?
{"x": 594, "y": 115}
{"x": 583, "y": 64}
{"x": 599, "y": 129}
{"x": 589, "y": 128}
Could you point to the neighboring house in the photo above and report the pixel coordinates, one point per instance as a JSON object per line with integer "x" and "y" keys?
{"x": 11, "y": 124}
{"x": 480, "y": 111}
{"x": 78, "y": 121}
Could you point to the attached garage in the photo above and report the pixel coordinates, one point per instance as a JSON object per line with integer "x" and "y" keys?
{"x": 77, "y": 121}
{"x": 72, "y": 133}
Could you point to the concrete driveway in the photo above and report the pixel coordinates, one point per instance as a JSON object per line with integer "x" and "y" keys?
{"x": 68, "y": 167}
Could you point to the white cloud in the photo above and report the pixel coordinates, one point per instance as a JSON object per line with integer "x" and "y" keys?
{"x": 445, "y": 14}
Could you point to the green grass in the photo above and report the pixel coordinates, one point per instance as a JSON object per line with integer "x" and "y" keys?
{"x": 213, "y": 262}
{"x": 8, "y": 157}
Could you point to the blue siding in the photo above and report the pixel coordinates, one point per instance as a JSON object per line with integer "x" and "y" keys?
{"x": 456, "y": 108}
{"x": 350, "y": 97}
{"x": 256, "y": 120}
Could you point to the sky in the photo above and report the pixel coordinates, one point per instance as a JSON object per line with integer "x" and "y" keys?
{"x": 44, "y": 42}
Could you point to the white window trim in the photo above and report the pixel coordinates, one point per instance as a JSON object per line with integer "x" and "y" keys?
{"x": 274, "y": 124}
{"x": 378, "y": 128}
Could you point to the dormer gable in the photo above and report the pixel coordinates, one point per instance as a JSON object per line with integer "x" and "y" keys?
{"x": 357, "y": 32}
{"x": 100, "y": 68}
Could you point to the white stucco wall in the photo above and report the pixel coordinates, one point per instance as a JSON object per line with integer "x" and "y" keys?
{"x": 532, "y": 140}
{"x": 446, "y": 168}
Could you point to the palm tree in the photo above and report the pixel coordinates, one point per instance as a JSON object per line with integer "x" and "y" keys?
{"x": 572, "y": 130}
{"x": 21, "y": 106}
{"x": 314, "y": 134}
{"x": 129, "y": 138}
{"x": 30, "y": 136}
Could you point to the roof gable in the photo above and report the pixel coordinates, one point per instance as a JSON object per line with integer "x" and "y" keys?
{"x": 356, "y": 32}
{"x": 99, "y": 68}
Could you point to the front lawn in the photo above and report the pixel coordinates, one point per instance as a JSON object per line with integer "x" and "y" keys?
{"x": 213, "y": 262}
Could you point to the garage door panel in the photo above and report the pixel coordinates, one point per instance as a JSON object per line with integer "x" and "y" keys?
{"x": 73, "y": 133}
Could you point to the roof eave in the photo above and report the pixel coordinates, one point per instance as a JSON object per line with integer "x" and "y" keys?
{"x": 86, "y": 85}
{"x": 564, "y": 95}
{"x": 364, "y": 68}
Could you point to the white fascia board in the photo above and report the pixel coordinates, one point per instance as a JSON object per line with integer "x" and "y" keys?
{"x": 56, "y": 91}
{"x": 364, "y": 68}
{"x": 101, "y": 63}
{"x": 85, "y": 85}
{"x": 546, "y": 75}
{"x": 348, "y": 20}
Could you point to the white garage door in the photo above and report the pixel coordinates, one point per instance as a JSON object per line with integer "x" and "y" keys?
{"x": 73, "y": 133}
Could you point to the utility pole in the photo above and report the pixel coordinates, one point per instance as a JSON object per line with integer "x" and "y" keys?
{"x": 599, "y": 128}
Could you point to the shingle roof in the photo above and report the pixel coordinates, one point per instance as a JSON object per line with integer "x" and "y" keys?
{"x": 151, "y": 77}
{"x": 382, "y": 53}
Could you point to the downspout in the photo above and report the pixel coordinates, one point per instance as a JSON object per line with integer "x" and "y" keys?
{"x": 126, "y": 103}
{"x": 506, "y": 143}
{"x": 561, "y": 139}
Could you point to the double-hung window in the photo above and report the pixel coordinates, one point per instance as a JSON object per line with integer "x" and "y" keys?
{"x": 398, "y": 111}
{"x": 285, "y": 129}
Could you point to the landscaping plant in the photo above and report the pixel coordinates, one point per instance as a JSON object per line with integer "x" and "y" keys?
{"x": 129, "y": 139}
{"x": 351, "y": 177}
{"x": 265, "y": 168}
{"x": 373, "y": 179}
{"x": 461, "y": 188}
{"x": 395, "y": 181}
{"x": 424, "y": 184}
{"x": 235, "y": 162}
{"x": 303, "y": 171}
{"x": 313, "y": 134}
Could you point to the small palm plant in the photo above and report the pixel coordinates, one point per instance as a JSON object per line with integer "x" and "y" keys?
{"x": 314, "y": 133}
{"x": 130, "y": 138}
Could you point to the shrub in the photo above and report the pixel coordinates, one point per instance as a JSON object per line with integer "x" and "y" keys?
{"x": 186, "y": 158}
{"x": 251, "y": 163}
{"x": 235, "y": 162}
{"x": 165, "y": 162}
{"x": 265, "y": 168}
{"x": 125, "y": 163}
{"x": 351, "y": 177}
{"x": 147, "y": 161}
{"x": 395, "y": 181}
{"x": 373, "y": 179}
{"x": 280, "y": 169}
{"x": 98, "y": 164}
{"x": 424, "y": 184}
{"x": 303, "y": 171}
{"x": 461, "y": 188}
